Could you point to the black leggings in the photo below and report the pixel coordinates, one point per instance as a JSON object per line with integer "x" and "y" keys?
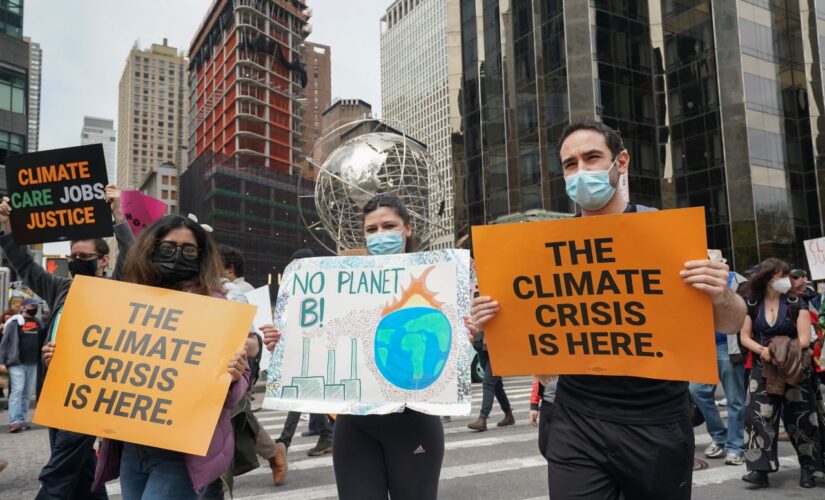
{"x": 399, "y": 454}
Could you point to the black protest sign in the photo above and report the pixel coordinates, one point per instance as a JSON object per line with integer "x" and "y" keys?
{"x": 58, "y": 195}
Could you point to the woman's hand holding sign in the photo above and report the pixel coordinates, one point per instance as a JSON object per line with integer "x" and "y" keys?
{"x": 236, "y": 365}
{"x": 48, "y": 353}
{"x": 271, "y": 336}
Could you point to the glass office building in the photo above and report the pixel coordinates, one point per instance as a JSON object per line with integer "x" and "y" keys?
{"x": 718, "y": 102}
{"x": 14, "y": 82}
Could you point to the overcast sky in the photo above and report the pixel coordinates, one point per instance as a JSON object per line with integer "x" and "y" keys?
{"x": 86, "y": 42}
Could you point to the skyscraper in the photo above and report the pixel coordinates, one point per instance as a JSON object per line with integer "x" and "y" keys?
{"x": 102, "y": 131}
{"x": 317, "y": 61}
{"x": 342, "y": 112}
{"x": 14, "y": 68}
{"x": 718, "y": 104}
{"x": 152, "y": 113}
{"x": 35, "y": 72}
{"x": 420, "y": 91}
{"x": 246, "y": 88}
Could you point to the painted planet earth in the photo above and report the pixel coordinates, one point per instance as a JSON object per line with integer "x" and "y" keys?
{"x": 412, "y": 346}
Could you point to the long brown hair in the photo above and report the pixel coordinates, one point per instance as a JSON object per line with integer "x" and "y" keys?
{"x": 141, "y": 269}
{"x": 758, "y": 283}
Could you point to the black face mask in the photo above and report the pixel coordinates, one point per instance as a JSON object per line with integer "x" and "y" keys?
{"x": 175, "y": 268}
{"x": 31, "y": 312}
{"x": 83, "y": 267}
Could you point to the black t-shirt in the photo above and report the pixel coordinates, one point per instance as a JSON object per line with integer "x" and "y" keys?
{"x": 625, "y": 400}
{"x": 30, "y": 341}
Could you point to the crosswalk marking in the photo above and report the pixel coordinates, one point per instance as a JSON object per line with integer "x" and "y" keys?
{"x": 447, "y": 473}
{"x": 457, "y": 438}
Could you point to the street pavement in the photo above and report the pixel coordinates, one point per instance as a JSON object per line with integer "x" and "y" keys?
{"x": 502, "y": 463}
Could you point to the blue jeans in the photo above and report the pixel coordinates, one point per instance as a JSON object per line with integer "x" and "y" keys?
{"x": 23, "y": 378}
{"x": 148, "y": 473}
{"x": 732, "y": 377}
{"x": 493, "y": 386}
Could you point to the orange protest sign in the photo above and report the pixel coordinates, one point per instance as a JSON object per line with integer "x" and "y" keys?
{"x": 142, "y": 365}
{"x": 599, "y": 296}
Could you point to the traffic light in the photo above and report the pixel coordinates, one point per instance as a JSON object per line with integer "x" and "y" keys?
{"x": 58, "y": 266}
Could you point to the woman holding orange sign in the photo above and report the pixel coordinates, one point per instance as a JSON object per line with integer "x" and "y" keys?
{"x": 179, "y": 254}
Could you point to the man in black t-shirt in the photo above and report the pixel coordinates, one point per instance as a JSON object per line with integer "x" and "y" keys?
{"x": 610, "y": 436}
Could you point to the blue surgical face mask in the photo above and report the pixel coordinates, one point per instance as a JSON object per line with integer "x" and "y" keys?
{"x": 385, "y": 243}
{"x": 591, "y": 190}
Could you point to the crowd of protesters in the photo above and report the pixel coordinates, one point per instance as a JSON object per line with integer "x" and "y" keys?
{"x": 603, "y": 437}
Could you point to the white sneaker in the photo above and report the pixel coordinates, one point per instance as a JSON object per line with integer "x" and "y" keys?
{"x": 722, "y": 402}
{"x": 734, "y": 459}
{"x": 715, "y": 450}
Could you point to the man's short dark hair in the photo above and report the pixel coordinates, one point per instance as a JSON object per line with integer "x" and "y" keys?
{"x": 231, "y": 256}
{"x": 101, "y": 247}
{"x": 612, "y": 137}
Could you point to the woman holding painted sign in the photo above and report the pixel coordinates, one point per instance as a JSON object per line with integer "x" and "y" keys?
{"x": 777, "y": 330}
{"x": 179, "y": 254}
{"x": 399, "y": 454}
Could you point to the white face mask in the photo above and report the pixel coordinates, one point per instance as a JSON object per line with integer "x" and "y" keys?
{"x": 782, "y": 285}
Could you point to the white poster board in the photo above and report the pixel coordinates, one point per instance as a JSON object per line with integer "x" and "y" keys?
{"x": 815, "y": 250}
{"x": 373, "y": 335}
{"x": 259, "y": 298}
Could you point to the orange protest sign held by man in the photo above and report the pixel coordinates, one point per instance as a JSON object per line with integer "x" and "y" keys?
{"x": 582, "y": 296}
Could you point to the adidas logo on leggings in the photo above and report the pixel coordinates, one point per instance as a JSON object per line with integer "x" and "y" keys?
{"x": 418, "y": 450}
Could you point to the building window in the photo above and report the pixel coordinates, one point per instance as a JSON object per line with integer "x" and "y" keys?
{"x": 12, "y": 89}
{"x": 11, "y": 18}
{"x": 10, "y": 144}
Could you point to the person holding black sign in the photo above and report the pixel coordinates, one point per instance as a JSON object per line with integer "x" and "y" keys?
{"x": 613, "y": 436}
{"x": 71, "y": 466}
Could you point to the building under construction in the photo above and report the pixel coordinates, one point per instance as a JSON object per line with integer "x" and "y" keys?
{"x": 246, "y": 93}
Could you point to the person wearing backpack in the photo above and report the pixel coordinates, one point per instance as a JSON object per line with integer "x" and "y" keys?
{"x": 777, "y": 331}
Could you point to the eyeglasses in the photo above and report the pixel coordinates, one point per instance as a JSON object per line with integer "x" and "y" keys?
{"x": 168, "y": 249}
{"x": 83, "y": 256}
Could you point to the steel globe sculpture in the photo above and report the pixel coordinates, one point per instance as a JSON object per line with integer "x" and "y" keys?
{"x": 360, "y": 168}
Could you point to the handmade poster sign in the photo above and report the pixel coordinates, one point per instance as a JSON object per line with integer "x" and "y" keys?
{"x": 58, "y": 195}
{"x": 142, "y": 365}
{"x": 598, "y": 296}
{"x": 373, "y": 335}
{"x": 140, "y": 210}
{"x": 815, "y": 250}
